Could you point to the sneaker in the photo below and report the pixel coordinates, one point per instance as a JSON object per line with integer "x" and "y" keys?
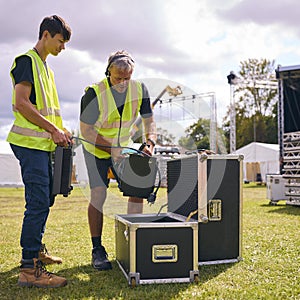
{"x": 99, "y": 259}
{"x": 46, "y": 258}
{"x": 39, "y": 277}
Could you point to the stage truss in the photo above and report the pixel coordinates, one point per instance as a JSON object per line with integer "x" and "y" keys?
{"x": 176, "y": 114}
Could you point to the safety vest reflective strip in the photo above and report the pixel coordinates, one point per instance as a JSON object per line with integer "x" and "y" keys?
{"x": 125, "y": 122}
{"x": 134, "y": 105}
{"x": 45, "y": 111}
{"x": 115, "y": 132}
{"x": 114, "y": 140}
{"x": 30, "y": 132}
{"x": 41, "y": 82}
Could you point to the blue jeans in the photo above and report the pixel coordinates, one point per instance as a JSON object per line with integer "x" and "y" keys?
{"x": 36, "y": 173}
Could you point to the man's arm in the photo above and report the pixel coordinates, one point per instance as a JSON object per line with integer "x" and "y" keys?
{"x": 28, "y": 110}
{"x": 150, "y": 132}
{"x": 90, "y": 134}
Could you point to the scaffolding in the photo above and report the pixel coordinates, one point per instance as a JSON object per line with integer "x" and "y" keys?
{"x": 191, "y": 108}
{"x": 289, "y": 131}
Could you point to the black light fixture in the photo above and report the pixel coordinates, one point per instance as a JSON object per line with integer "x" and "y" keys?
{"x": 231, "y": 77}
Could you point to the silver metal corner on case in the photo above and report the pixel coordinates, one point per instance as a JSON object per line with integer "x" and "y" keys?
{"x": 194, "y": 276}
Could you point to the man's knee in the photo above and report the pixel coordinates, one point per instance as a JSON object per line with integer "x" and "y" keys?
{"x": 135, "y": 200}
{"x": 98, "y": 196}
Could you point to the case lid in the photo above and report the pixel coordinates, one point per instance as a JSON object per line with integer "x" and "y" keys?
{"x": 194, "y": 182}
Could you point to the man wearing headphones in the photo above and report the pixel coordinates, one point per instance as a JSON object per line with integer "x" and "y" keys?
{"x": 109, "y": 109}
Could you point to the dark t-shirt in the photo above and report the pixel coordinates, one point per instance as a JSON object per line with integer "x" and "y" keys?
{"x": 89, "y": 112}
{"x": 23, "y": 72}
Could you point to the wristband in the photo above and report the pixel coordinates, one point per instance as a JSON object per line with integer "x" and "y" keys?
{"x": 151, "y": 141}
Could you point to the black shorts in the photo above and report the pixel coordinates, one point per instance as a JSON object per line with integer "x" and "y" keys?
{"x": 97, "y": 169}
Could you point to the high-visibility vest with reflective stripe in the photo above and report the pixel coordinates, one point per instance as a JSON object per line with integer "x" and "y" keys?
{"x": 110, "y": 125}
{"x": 23, "y": 132}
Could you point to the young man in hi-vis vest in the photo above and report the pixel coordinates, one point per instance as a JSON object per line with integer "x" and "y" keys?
{"x": 36, "y": 132}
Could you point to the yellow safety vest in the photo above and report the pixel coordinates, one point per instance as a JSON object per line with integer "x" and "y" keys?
{"x": 110, "y": 125}
{"x": 24, "y": 133}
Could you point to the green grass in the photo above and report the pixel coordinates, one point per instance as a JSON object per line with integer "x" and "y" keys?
{"x": 269, "y": 270}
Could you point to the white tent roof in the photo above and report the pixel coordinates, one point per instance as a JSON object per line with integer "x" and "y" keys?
{"x": 5, "y": 148}
{"x": 267, "y": 155}
{"x": 259, "y": 152}
{"x": 79, "y": 162}
{"x": 10, "y": 173}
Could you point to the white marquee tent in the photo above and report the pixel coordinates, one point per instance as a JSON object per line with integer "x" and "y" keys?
{"x": 10, "y": 174}
{"x": 264, "y": 156}
{"x": 80, "y": 167}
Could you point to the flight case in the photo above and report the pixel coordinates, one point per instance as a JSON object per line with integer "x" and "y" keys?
{"x": 137, "y": 175}
{"x": 157, "y": 248}
{"x": 208, "y": 188}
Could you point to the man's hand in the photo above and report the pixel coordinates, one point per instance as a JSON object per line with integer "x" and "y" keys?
{"x": 148, "y": 149}
{"x": 116, "y": 154}
{"x": 69, "y": 135}
{"x": 60, "y": 138}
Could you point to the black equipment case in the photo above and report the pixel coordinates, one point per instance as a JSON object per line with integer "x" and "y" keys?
{"x": 137, "y": 175}
{"x": 208, "y": 188}
{"x": 62, "y": 171}
{"x": 157, "y": 248}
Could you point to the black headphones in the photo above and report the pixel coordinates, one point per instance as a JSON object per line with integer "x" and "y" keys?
{"x": 115, "y": 58}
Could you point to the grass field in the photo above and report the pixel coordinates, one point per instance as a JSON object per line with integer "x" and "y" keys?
{"x": 270, "y": 268}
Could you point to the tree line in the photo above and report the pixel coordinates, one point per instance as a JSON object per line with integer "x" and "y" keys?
{"x": 255, "y": 98}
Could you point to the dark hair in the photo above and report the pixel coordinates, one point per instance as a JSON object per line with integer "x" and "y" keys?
{"x": 55, "y": 25}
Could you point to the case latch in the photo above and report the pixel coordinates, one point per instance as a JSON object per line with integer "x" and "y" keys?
{"x": 215, "y": 210}
{"x": 164, "y": 253}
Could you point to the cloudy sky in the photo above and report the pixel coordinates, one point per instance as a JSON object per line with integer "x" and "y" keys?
{"x": 193, "y": 43}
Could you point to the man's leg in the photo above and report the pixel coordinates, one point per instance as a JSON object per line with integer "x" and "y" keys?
{"x": 135, "y": 205}
{"x": 44, "y": 256}
{"x": 35, "y": 175}
{"x": 97, "y": 172}
{"x": 95, "y": 216}
{"x": 95, "y": 210}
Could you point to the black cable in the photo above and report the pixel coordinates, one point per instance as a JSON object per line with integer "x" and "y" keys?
{"x": 111, "y": 147}
{"x": 152, "y": 197}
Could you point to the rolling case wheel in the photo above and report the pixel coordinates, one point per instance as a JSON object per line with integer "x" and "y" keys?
{"x": 132, "y": 282}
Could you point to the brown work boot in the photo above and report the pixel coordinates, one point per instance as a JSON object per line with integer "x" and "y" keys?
{"x": 39, "y": 277}
{"x": 46, "y": 258}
